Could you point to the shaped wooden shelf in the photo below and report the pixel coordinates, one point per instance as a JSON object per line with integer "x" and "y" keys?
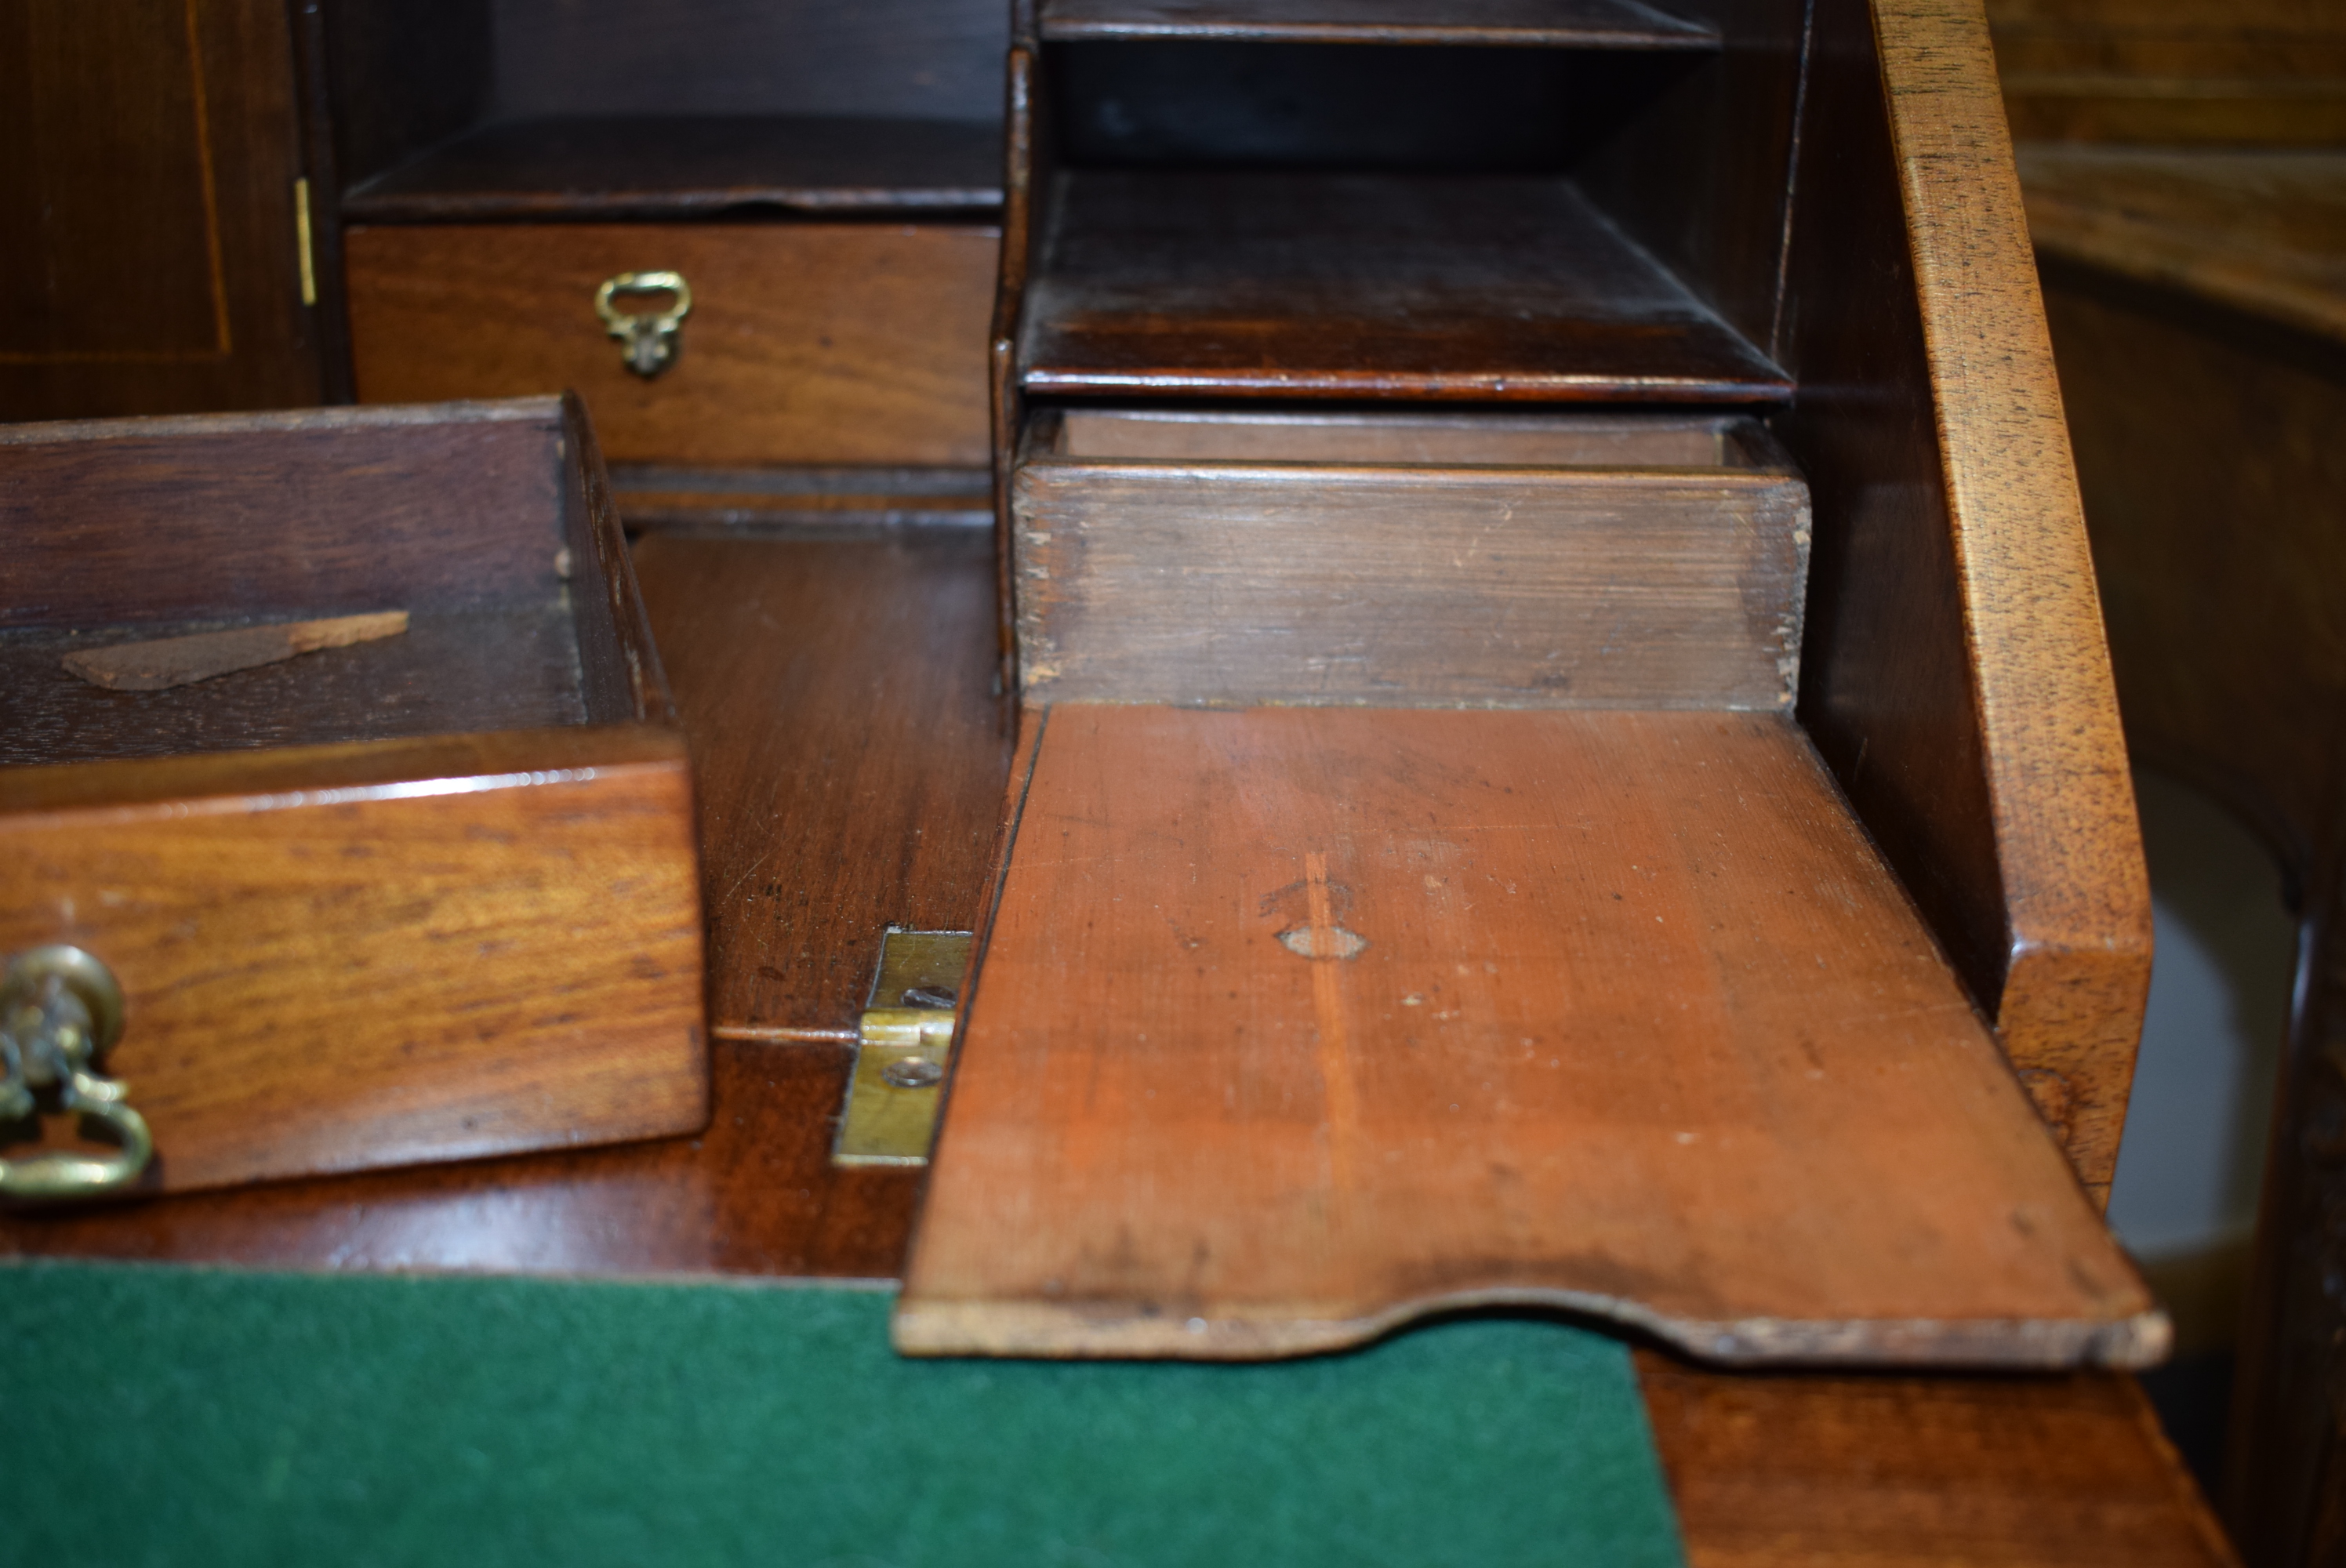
{"x": 1575, "y": 24}
{"x": 1251, "y": 284}
{"x": 688, "y": 165}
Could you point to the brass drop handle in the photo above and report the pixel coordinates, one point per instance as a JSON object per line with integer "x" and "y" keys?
{"x": 60, "y": 1010}
{"x": 650, "y": 340}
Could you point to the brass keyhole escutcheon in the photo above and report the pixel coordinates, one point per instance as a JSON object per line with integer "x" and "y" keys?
{"x": 60, "y": 1011}
{"x": 649, "y": 340}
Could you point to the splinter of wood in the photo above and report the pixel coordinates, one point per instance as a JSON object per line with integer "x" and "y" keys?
{"x": 166, "y": 662}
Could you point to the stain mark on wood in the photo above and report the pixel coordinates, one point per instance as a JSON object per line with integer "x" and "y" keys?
{"x": 159, "y": 663}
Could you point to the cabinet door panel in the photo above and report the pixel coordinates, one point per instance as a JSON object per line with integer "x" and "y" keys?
{"x": 152, "y": 263}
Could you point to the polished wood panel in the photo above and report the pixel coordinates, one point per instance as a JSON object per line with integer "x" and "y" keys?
{"x": 666, "y": 166}
{"x": 849, "y": 750}
{"x": 1778, "y": 1470}
{"x": 1286, "y": 285}
{"x": 1577, "y": 24}
{"x": 1954, "y": 676}
{"x": 807, "y": 342}
{"x": 1373, "y": 564}
{"x": 1297, "y": 1022}
{"x": 150, "y": 264}
{"x": 326, "y": 979}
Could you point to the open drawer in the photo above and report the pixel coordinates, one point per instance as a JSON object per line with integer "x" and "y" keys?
{"x": 427, "y": 897}
{"x": 1344, "y": 970}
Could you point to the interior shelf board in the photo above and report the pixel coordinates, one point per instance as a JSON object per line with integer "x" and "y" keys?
{"x": 1296, "y": 1024}
{"x": 1248, "y": 284}
{"x": 1550, "y": 23}
{"x": 672, "y": 166}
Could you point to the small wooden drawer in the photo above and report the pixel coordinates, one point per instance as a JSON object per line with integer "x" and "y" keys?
{"x": 805, "y": 343}
{"x": 1589, "y": 561}
{"x": 425, "y": 898}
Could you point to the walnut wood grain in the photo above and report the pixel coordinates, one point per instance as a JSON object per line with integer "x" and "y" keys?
{"x": 676, "y": 166}
{"x": 1287, "y": 285}
{"x": 825, "y": 343}
{"x": 849, "y": 753}
{"x": 1577, "y": 25}
{"x": 1954, "y": 676}
{"x": 150, "y": 263}
{"x": 1777, "y": 1470}
{"x": 1297, "y": 1022}
{"x": 431, "y": 961}
{"x": 1374, "y": 561}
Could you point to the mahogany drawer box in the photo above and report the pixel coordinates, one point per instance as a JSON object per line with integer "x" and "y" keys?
{"x": 805, "y": 343}
{"x": 425, "y": 898}
{"x": 1409, "y": 559}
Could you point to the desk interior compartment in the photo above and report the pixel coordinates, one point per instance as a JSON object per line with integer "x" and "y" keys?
{"x": 425, "y": 898}
{"x": 1423, "y": 896}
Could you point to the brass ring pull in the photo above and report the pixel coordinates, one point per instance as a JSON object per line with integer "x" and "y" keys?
{"x": 60, "y": 1010}
{"x": 650, "y": 340}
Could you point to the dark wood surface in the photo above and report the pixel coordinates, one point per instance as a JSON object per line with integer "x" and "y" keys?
{"x": 2206, "y": 439}
{"x": 1577, "y": 23}
{"x": 149, "y": 264}
{"x": 1370, "y": 560}
{"x": 913, "y": 59}
{"x": 485, "y": 667}
{"x": 1790, "y": 1471}
{"x": 680, "y": 166}
{"x": 1286, "y": 285}
{"x": 2175, "y": 73}
{"x": 1702, "y": 173}
{"x": 331, "y": 511}
{"x": 808, "y": 343}
{"x": 2262, "y": 232}
{"x": 849, "y": 750}
{"x": 1954, "y": 676}
{"x": 1294, "y": 1024}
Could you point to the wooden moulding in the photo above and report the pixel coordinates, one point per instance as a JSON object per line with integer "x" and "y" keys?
{"x": 2076, "y": 958}
{"x": 1409, "y": 560}
{"x": 1297, "y": 1023}
{"x": 348, "y": 940}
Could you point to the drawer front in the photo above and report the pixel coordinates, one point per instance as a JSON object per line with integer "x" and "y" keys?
{"x": 1142, "y": 574}
{"x": 814, "y": 343}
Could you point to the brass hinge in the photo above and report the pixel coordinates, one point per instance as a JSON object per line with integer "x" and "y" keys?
{"x": 903, "y": 1047}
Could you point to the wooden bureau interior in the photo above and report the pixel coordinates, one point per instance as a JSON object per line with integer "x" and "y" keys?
{"x": 1425, "y": 442}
